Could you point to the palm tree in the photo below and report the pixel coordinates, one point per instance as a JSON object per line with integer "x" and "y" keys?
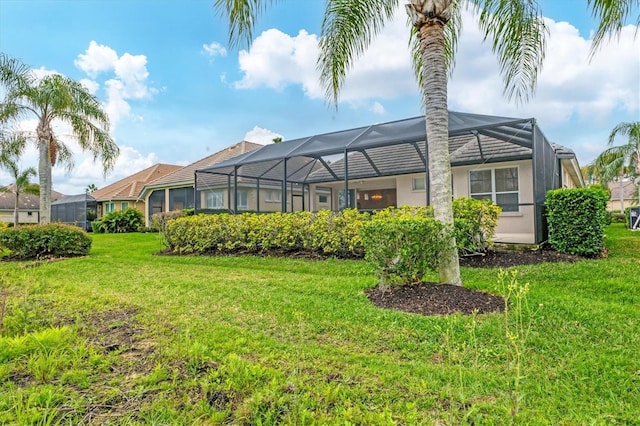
{"x": 56, "y": 99}
{"x": 622, "y": 160}
{"x": 21, "y": 185}
{"x": 515, "y": 27}
{"x": 11, "y": 145}
{"x": 90, "y": 188}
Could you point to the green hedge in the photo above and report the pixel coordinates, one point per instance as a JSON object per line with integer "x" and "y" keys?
{"x": 403, "y": 249}
{"x": 53, "y": 240}
{"x": 577, "y": 219}
{"x": 129, "y": 220}
{"x": 324, "y": 232}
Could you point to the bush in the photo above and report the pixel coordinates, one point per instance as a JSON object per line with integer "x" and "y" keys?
{"x": 403, "y": 249}
{"x": 129, "y": 220}
{"x": 159, "y": 220}
{"x": 475, "y": 223}
{"x": 55, "y": 240}
{"x": 324, "y": 232}
{"x": 577, "y": 219}
{"x": 4, "y": 225}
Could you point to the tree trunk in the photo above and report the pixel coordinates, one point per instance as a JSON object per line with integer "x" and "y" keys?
{"x": 44, "y": 172}
{"x": 437, "y": 119}
{"x": 16, "y": 208}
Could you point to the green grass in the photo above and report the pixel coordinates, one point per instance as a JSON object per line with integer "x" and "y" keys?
{"x": 124, "y": 336}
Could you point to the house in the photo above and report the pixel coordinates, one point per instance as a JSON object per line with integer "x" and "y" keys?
{"x": 29, "y": 206}
{"x": 624, "y": 193}
{"x": 125, "y": 193}
{"x": 174, "y": 190}
{"x": 507, "y": 160}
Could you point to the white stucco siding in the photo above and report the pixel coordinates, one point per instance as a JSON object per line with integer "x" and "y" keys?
{"x": 512, "y": 226}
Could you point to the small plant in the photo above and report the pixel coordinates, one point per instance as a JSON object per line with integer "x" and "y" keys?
{"x": 403, "y": 249}
{"x": 518, "y": 318}
{"x": 129, "y": 220}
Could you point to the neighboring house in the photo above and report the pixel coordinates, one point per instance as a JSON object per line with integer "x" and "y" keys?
{"x": 29, "y": 206}
{"x": 507, "y": 160}
{"x": 125, "y": 193}
{"x": 624, "y": 193}
{"x": 174, "y": 191}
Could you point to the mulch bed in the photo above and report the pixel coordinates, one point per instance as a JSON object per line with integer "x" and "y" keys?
{"x": 445, "y": 299}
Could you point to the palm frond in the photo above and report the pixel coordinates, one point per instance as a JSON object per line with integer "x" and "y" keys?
{"x": 348, "y": 28}
{"x": 518, "y": 35}
{"x": 92, "y": 138}
{"x": 611, "y": 16}
{"x": 242, "y": 15}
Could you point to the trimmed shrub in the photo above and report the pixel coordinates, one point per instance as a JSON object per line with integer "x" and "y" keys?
{"x": 324, "y": 232}
{"x": 4, "y": 225}
{"x": 475, "y": 223}
{"x": 403, "y": 249}
{"x": 53, "y": 240}
{"x": 129, "y": 220}
{"x": 577, "y": 219}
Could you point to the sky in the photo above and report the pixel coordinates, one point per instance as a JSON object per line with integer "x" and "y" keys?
{"x": 176, "y": 92}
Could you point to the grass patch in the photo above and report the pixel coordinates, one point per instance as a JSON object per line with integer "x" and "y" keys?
{"x": 127, "y": 337}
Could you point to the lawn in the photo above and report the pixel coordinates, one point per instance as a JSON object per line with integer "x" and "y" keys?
{"x": 125, "y": 336}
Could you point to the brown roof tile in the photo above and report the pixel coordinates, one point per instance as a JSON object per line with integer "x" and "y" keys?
{"x": 130, "y": 187}
{"x": 185, "y": 174}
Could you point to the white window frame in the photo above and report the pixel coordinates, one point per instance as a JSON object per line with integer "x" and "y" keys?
{"x": 214, "y": 199}
{"x": 273, "y": 196}
{"x": 493, "y": 193}
{"x": 124, "y": 205}
{"x": 422, "y": 186}
{"x": 109, "y": 207}
{"x": 243, "y": 199}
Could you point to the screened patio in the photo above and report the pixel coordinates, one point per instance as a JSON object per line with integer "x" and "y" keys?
{"x": 78, "y": 210}
{"x": 300, "y": 168}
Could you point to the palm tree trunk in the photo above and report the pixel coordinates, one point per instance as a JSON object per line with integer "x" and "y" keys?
{"x": 44, "y": 174}
{"x": 16, "y": 207}
{"x": 435, "y": 99}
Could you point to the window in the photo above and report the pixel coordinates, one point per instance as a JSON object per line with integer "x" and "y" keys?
{"x": 124, "y": 205}
{"x": 273, "y": 196}
{"x": 419, "y": 184}
{"x": 215, "y": 199}
{"x": 498, "y": 185}
{"x": 323, "y": 199}
{"x": 242, "y": 200}
{"x": 109, "y": 207}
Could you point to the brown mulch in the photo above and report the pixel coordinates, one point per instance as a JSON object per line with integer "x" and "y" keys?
{"x": 445, "y": 299}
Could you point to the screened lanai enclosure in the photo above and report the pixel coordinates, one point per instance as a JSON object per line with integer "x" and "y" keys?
{"x": 508, "y": 160}
{"x": 78, "y": 210}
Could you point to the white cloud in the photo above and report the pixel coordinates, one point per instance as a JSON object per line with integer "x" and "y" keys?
{"x": 569, "y": 86}
{"x": 377, "y": 108}
{"x": 261, "y": 136}
{"x": 213, "y": 50}
{"x": 91, "y": 85}
{"x": 97, "y": 58}
{"x": 128, "y": 81}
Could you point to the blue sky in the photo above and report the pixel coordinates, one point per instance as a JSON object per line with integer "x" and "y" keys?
{"x": 175, "y": 92}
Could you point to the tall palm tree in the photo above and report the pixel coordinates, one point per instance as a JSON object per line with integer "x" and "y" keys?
{"x": 515, "y": 27}
{"x": 56, "y": 99}
{"x": 622, "y": 160}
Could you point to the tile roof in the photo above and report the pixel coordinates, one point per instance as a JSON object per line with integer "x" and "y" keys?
{"x": 185, "y": 174}
{"x": 27, "y": 201}
{"x": 130, "y": 187}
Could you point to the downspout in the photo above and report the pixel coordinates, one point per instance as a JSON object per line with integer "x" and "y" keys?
{"x": 235, "y": 190}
